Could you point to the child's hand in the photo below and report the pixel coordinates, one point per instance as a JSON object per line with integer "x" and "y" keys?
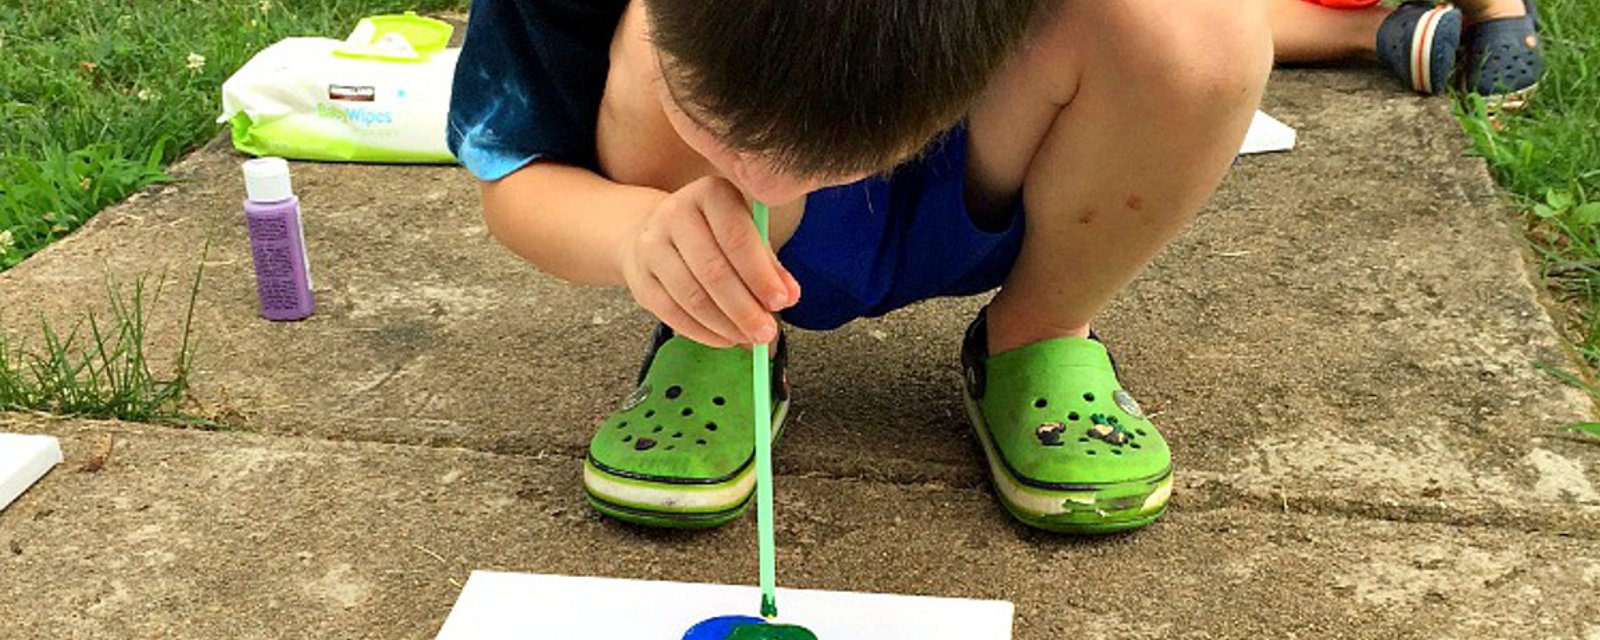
{"x": 698, "y": 263}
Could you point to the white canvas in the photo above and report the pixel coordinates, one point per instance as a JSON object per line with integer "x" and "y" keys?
{"x": 1267, "y": 134}
{"x": 23, "y": 460}
{"x": 502, "y": 606}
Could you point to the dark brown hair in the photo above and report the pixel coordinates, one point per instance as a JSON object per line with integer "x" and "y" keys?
{"x": 832, "y": 86}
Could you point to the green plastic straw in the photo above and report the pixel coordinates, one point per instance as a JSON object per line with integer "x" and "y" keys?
{"x": 762, "y": 396}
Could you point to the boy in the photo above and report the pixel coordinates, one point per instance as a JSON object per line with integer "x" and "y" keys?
{"x": 909, "y": 149}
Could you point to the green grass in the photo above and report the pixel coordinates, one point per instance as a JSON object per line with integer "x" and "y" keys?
{"x": 101, "y": 366}
{"x": 1549, "y": 159}
{"x": 97, "y": 97}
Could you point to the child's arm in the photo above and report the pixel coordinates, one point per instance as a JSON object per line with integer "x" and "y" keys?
{"x": 693, "y": 257}
{"x": 570, "y": 222}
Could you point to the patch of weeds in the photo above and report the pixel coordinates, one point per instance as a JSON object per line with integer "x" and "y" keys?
{"x": 1590, "y": 429}
{"x": 100, "y": 367}
{"x": 49, "y": 196}
{"x": 1548, "y": 158}
{"x": 1587, "y": 431}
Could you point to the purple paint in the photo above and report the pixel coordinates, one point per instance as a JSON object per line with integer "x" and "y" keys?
{"x": 277, "y": 241}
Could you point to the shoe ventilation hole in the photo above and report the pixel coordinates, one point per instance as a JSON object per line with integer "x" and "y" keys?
{"x": 687, "y": 412}
{"x": 674, "y": 391}
{"x": 719, "y": 401}
{"x": 671, "y": 447}
{"x": 1083, "y": 439}
{"x": 1139, "y": 431}
{"x": 627, "y": 438}
{"x": 658, "y": 429}
{"x": 700, "y": 442}
{"x": 1072, "y": 416}
{"x": 1135, "y": 445}
{"x": 711, "y": 426}
{"x": 622, "y": 424}
{"x": 650, "y": 414}
{"x": 1114, "y": 451}
{"x": 1088, "y": 397}
{"x": 1090, "y": 452}
{"x": 678, "y": 434}
{"x": 1041, "y": 403}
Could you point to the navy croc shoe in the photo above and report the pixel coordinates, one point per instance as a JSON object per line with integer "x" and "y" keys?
{"x": 1504, "y": 60}
{"x": 1418, "y": 42}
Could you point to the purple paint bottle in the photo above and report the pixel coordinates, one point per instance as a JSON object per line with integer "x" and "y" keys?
{"x": 277, "y": 241}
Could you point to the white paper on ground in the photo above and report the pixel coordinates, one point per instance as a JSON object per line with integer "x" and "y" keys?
{"x": 1267, "y": 135}
{"x": 23, "y": 460}
{"x": 502, "y": 606}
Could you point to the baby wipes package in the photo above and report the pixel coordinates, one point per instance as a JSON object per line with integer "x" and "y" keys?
{"x": 381, "y": 95}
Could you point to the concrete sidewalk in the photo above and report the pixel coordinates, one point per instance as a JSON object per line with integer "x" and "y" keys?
{"x": 1341, "y": 353}
{"x": 196, "y": 535}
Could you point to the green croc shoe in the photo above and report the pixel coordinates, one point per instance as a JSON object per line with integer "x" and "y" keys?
{"x": 680, "y": 452}
{"x": 1069, "y": 450}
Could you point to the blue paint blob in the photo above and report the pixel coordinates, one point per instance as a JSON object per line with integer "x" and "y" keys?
{"x": 719, "y": 628}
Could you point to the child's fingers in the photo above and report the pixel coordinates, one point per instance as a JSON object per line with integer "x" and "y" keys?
{"x": 789, "y": 282}
{"x": 658, "y": 301}
{"x": 730, "y": 223}
{"x": 691, "y": 295}
{"x": 723, "y": 282}
{"x": 663, "y": 284}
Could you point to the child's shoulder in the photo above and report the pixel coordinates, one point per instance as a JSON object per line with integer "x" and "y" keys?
{"x": 529, "y": 82}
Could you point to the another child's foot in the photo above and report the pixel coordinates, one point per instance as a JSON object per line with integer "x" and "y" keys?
{"x": 680, "y": 452}
{"x": 1418, "y": 42}
{"x": 1505, "y": 59}
{"x": 1069, "y": 450}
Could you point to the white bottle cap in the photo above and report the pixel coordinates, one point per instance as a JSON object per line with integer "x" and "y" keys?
{"x": 267, "y": 180}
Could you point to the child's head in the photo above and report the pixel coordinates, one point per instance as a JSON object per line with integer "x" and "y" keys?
{"x": 790, "y": 95}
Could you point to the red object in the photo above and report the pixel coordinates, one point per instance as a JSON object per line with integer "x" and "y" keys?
{"x": 1344, "y": 4}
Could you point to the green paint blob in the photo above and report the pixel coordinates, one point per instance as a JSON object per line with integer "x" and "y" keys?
{"x": 771, "y": 632}
{"x": 769, "y": 606}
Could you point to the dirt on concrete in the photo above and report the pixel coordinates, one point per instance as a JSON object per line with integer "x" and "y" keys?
{"x": 204, "y": 535}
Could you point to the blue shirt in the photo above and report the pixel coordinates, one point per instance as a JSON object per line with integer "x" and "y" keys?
{"x": 529, "y": 82}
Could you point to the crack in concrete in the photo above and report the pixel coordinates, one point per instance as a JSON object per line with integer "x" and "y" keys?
{"x": 1567, "y": 520}
{"x": 1199, "y": 492}
{"x": 1204, "y": 494}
